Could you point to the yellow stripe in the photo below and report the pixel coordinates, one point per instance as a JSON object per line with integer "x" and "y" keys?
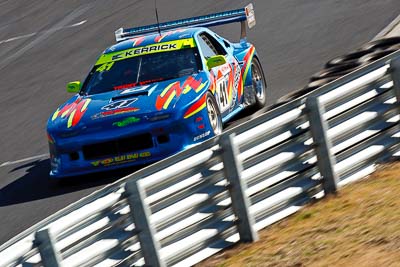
{"x": 55, "y": 114}
{"x": 65, "y": 113}
{"x": 71, "y": 117}
{"x": 85, "y": 105}
{"x": 172, "y": 95}
{"x": 187, "y": 89}
{"x": 201, "y": 86}
{"x": 166, "y": 89}
{"x": 195, "y": 111}
{"x": 162, "y": 37}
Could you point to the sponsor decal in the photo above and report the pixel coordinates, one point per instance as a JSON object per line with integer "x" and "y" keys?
{"x": 222, "y": 94}
{"x": 120, "y": 159}
{"x": 176, "y": 89}
{"x": 144, "y": 50}
{"x": 212, "y": 83}
{"x": 126, "y": 122}
{"x": 105, "y": 67}
{"x": 251, "y": 18}
{"x": 125, "y": 86}
{"x": 201, "y": 136}
{"x": 119, "y": 104}
{"x": 73, "y": 111}
{"x": 113, "y": 112}
{"x": 130, "y": 85}
{"x": 226, "y": 68}
{"x": 235, "y": 87}
{"x": 224, "y": 81}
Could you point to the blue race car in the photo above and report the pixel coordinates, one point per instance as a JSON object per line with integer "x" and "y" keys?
{"x": 160, "y": 89}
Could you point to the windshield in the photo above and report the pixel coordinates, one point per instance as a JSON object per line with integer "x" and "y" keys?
{"x": 141, "y": 70}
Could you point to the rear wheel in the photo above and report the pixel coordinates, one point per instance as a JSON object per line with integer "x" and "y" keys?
{"x": 259, "y": 83}
{"x": 214, "y": 115}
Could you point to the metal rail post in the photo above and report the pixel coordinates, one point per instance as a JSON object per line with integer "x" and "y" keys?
{"x": 325, "y": 160}
{"x": 395, "y": 74}
{"x": 45, "y": 243}
{"x": 140, "y": 213}
{"x": 237, "y": 189}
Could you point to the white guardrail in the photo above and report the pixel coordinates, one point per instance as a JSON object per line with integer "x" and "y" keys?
{"x": 181, "y": 210}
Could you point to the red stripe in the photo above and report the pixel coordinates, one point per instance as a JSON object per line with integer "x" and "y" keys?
{"x": 196, "y": 105}
{"x": 190, "y": 81}
{"x": 161, "y": 100}
{"x": 78, "y": 113}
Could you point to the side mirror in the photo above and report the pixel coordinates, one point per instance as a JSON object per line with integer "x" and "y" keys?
{"x": 215, "y": 61}
{"x": 74, "y": 87}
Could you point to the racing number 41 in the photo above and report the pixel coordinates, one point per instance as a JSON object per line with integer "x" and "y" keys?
{"x": 223, "y": 95}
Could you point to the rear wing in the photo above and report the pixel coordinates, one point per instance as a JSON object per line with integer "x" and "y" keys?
{"x": 238, "y": 15}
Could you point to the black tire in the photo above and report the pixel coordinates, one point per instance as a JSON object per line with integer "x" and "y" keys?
{"x": 375, "y": 56}
{"x": 214, "y": 114}
{"x": 381, "y": 43}
{"x": 350, "y": 58}
{"x": 259, "y": 83}
{"x": 339, "y": 70}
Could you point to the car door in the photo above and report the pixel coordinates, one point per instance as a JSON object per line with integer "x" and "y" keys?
{"x": 226, "y": 77}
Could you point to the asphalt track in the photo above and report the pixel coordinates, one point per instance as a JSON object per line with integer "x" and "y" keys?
{"x": 45, "y": 44}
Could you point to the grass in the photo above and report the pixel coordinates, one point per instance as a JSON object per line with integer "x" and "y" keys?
{"x": 360, "y": 226}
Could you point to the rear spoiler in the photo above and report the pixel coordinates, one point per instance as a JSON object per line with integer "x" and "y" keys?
{"x": 238, "y": 15}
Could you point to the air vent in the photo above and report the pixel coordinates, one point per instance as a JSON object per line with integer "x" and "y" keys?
{"x": 118, "y": 147}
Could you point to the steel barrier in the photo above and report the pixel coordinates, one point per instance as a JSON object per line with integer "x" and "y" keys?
{"x": 186, "y": 208}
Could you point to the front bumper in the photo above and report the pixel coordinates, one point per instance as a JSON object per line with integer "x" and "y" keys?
{"x": 70, "y": 156}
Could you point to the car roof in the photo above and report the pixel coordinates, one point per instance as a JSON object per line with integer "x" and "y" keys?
{"x": 154, "y": 38}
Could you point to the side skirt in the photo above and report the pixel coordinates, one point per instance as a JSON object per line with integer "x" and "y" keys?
{"x": 232, "y": 113}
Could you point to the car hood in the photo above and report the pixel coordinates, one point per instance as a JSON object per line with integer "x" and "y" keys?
{"x": 130, "y": 105}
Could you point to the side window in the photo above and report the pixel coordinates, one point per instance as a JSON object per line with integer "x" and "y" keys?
{"x": 205, "y": 46}
{"x": 217, "y": 46}
{"x": 210, "y": 46}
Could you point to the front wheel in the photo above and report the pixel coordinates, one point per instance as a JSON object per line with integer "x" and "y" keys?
{"x": 259, "y": 83}
{"x": 214, "y": 115}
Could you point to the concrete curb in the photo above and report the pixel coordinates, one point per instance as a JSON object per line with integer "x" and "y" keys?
{"x": 391, "y": 30}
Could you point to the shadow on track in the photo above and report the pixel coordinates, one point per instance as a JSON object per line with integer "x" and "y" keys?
{"x": 35, "y": 183}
